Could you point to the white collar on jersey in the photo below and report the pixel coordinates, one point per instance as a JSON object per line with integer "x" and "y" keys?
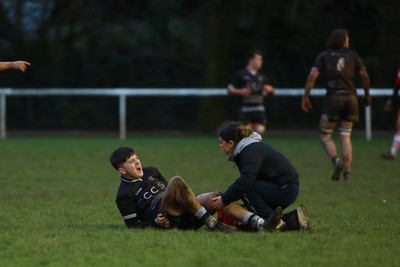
{"x": 129, "y": 180}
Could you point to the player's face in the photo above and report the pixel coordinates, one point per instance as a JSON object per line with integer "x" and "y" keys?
{"x": 132, "y": 168}
{"x": 226, "y": 147}
{"x": 347, "y": 42}
{"x": 257, "y": 62}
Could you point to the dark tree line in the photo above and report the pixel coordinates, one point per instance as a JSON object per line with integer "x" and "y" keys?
{"x": 179, "y": 43}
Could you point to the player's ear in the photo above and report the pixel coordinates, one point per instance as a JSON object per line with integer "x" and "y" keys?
{"x": 231, "y": 143}
{"x": 121, "y": 170}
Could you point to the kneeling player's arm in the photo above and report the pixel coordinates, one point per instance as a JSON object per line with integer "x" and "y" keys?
{"x": 128, "y": 211}
{"x": 250, "y": 162}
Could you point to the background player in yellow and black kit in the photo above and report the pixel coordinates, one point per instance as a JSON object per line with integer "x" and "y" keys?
{"x": 251, "y": 86}
{"x": 340, "y": 65}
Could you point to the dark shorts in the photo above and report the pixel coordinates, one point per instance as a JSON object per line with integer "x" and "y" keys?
{"x": 185, "y": 221}
{"x": 253, "y": 117}
{"x": 266, "y": 196}
{"x": 341, "y": 107}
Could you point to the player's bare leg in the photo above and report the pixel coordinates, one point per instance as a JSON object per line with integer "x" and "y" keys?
{"x": 396, "y": 141}
{"x": 239, "y": 213}
{"x": 329, "y": 146}
{"x": 179, "y": 198}
{"x": 347, "y": 149}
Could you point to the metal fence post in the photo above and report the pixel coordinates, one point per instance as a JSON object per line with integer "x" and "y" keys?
{"x": 368, "y": 124}
{"x": 122, "y": 117}
{"x": 3, "y": 133}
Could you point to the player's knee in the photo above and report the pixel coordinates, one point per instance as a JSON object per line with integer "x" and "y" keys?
{"x": 325, "y": 137}
{"x": 324, "y": 126}
{"x": 345, "y": 130}
{"x": 179, "y": 186}
{"x": 176, "y": 180}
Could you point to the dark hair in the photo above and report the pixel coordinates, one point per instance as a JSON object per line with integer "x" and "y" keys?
{"x": 233, "y": 131}
{"x": 337, "y": 39}
{"x": 120, "y": 155}
{"x": 253, "y": 53}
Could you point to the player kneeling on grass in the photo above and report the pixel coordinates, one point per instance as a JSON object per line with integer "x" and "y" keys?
{"x": 267, "y": 179}
{"x": 145, "y": 198}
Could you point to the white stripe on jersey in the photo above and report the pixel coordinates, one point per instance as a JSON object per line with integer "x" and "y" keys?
{"x": 252, "y": 109}
{"x": 130, "y": 216}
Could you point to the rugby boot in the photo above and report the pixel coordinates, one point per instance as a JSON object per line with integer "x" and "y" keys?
{"x": 274, "y": 221}
{"x": 302, "y": 215}
{"x": 338, "y": 166}
{"x": 388, "y": 156}
{"x": 346, "y": 176}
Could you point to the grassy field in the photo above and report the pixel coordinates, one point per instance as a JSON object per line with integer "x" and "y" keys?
{"x": 57, "y": 206}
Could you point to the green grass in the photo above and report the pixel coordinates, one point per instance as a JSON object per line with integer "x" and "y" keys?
{"x": 57, "y": 206}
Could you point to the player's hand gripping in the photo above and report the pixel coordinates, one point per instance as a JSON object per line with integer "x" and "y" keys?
{"x": 269, "y": 90}
{"x": 162, "y": 221}
{"x": 306, "y": 104}
{"x": 217, "y": 203}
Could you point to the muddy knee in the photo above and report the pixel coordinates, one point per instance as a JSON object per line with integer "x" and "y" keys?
{"x": 177, "y": 181}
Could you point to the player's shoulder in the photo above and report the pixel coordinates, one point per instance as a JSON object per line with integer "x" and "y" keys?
{"x": 150, "y": 171}
{"x": 242, "y": 73}
{"x": 326, "y": 52}
{"x": 262, "y": 77}
{"x": 126, "y": 188}
{"x": 353, "y": 53}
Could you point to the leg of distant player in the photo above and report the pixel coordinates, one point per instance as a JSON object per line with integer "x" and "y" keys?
{"x": 179, "y": 199}
{"x": 396, "y": 141}
{"x": 327, "y": 128}
{"x": 347, "y": 150}
{"x": 396, "y": 138}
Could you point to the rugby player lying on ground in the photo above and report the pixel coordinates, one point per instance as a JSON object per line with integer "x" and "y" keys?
{"x": 145, "y": 198}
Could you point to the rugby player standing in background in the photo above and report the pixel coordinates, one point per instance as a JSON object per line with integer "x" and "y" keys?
{"x": 251, "y": 85}
{"x": 340, "y": 107}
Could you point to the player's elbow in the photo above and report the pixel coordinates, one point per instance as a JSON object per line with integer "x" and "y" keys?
{"x": 314, "y": 73}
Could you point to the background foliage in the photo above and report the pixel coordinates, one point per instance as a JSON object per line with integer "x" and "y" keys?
{"x": 180, "y": 43}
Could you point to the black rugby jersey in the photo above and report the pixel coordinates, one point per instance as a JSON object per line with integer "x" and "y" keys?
{"x": 339, "y": 66}
{"x": 139, "y": 201}
{"x": 245, "y": 78}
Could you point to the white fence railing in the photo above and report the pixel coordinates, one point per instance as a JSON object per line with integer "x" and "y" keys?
{"x": 123, "y": 93}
